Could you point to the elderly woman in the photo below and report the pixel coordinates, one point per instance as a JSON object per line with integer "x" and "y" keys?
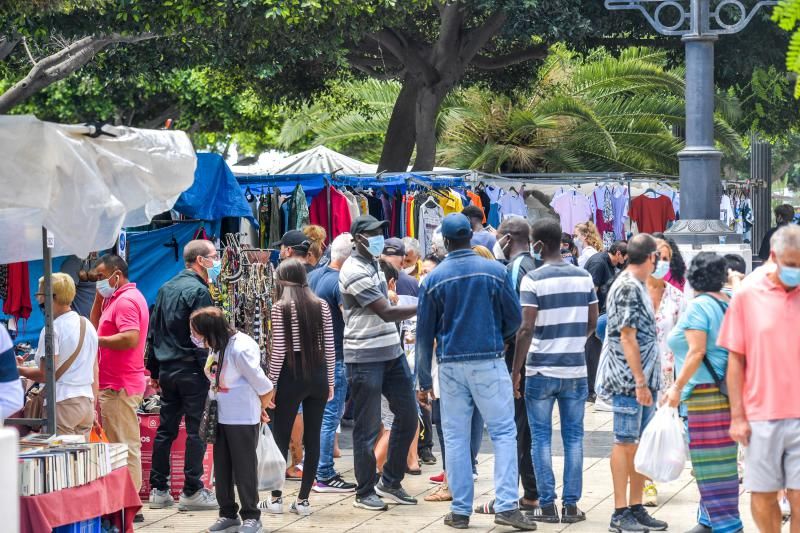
{"x": 702, "y": 367}
{"x": 75, "y": 349}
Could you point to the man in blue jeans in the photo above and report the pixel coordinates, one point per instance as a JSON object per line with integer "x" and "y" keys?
{"x": 559, "y": 311}
{"x": 472, "y": 369}
{"x": 375, "y": 366}
{"x": 324, "y": 281}
{"x": 628, "y": 377}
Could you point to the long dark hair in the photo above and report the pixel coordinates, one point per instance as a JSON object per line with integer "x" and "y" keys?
{"x": 293, "y": 291}
{"x": 211, "y": 324}
{"x": 677, "y": 266}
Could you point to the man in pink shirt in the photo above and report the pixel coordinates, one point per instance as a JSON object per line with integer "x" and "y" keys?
{"x": 121, "y": 317}
{"x": 761, "y": 332}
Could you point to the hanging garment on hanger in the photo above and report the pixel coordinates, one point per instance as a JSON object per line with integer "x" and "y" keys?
{"x": 475, "y": 200}
{"x": 275, "y": 233}
{"x": 3, "y": 282}
{"x": 512, "y": 204}
{"x": 652, "y": 214}
{"x": 363, "y": 204}
{"x": 726, "y": 212}
{"x": 486, "y": 203}
{"x": 352, "y": 204}
{"x": 452, "y": 202}
{"x": 573, "y": 208}
{"x": 298, "y": 213}
{"x": 18, "y": 297}
{"x": 340, "y": 213}
{"x": 674, "y": 197}
{"x": 388, "y": 213}
{"x": 619, "y": 201}
{"x": 603, "y": 210}
{"x": 431, "y": 216}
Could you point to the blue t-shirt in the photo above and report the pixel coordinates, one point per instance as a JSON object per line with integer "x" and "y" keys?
{"x": 702, "y": 314}
{"x": 324, "y": 282}
{"x": 483, "y": 238}
{"x": 8, "y": 358}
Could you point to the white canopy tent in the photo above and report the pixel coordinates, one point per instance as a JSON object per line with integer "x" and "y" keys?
{"x": 318, "y": 160}
{"x": 71, "y": 189}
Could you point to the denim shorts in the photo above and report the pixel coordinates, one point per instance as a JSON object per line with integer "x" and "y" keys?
{"x": 630, "y": 418}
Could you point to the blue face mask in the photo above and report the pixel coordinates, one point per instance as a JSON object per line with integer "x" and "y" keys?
{"x": 375, "y": 245}
{"x": 214, "y": 270}
{"x": 104, "y": 287}
{"x": 789, "y": 276}
{"x": 536, "y": 255}
{"x": 661, "y": 270}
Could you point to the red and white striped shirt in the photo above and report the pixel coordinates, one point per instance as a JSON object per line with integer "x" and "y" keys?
{"x": 279, "y": 340}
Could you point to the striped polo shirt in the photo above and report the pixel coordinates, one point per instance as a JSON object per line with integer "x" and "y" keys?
{"x": 562, "y": 293}
{"x": 367, "y": 338}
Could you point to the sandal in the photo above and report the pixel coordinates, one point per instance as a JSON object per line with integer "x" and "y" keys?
{"x": 650, "y": 495}
{"x": 441, "y": 494}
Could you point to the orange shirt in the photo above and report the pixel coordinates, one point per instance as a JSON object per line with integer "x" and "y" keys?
{"x": 475, "y": 200}
{"x": 761, "y": 323}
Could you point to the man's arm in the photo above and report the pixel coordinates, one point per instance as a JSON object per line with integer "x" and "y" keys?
{"x": 427, "y": 318}
{"x": 633, "y": 355}
{"x": 512, "y": 312}
{"x": 126, "y": 319}
{"x": 523, "y": 344}
{"x": 594, "y": 312}
{"x": 120, "y": 341}
{"x": 97, "y": 310}
{"x": 391, "y": 313}
{"x": 740, "y": 427}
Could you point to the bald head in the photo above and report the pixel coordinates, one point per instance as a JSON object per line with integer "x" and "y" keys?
{"x": 195, "y": 249}
{"x": 640, "y": 248}
{"x": 516, "y": 228}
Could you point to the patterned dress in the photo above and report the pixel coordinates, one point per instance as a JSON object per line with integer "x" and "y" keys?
{"x": 673, "y": 304}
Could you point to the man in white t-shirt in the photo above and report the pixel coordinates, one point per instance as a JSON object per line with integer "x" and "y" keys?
{"x": 75, "y": 360}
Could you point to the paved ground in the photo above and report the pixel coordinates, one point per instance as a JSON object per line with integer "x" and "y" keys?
{"x": 334, "y": 513}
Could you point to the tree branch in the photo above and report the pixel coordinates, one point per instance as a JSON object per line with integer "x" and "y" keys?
{"x": 478, "y": 37}
{"x": 387, "y": 39}
{"x": 518, "y": 56}
{"x": 372, "y": 62}
{"x": 61, "y": 64}
{"x": 452, "y": 19}
{"x": 372, "y": 73}
{"x": 28, "y": 51}
{"x": 7, "y": 45}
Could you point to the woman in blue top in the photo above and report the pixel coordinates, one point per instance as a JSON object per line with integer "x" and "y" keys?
{"x": 694, "y": 343}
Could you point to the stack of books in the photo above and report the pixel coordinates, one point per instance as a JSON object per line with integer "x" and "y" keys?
{"x": 48, "y": 464}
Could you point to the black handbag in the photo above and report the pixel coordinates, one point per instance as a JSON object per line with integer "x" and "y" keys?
{"x": 720, "y": 383}
{"x": 210, "y": 418}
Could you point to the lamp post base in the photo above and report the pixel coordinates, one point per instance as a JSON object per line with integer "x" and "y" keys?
{"x": 702, "y": 232}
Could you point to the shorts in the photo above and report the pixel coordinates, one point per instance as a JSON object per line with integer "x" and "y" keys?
{"x": 772, "y": 459}
{"x": 387, "y": 416}
{"x": 630, "y": 418}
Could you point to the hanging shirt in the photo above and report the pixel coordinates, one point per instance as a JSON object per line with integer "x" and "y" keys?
{"x": 674, "y": 196}
{"x": 298, "y": 209}
{"x": 652, "y": 214}
{"x": 603, "y": 211}
{"x": 619, "y": 200}
{"x": 513, "y": 205}
{"x": 453, "y": 203}
{"x": 475, "y": 200}
{"x": 340, "y": 213}
{"x": 352, "y": 204}
{"x": 573, "y": 208}
{"x": 431, "y": 216}
{"x": 486, "y": 203}
{"x": 726, "y": 213}
{"x": 18, "y": 297}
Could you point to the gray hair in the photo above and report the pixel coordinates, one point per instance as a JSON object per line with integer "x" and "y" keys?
{"x": 195, "y": 249}
{"x": 341, "y": 247}
{"x": 786, "y": 238}
{"x": 437, "y": 246}
{"x": 412, "y": 244}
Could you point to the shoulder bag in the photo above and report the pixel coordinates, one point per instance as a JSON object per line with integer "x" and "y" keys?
{"x": 210, "y": 418}
{"x": 34, "y": 397}
{"x": 719, "y": 382}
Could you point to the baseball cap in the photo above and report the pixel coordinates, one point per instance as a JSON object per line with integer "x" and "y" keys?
{"x": 394, "y": 246}
{"x": 294, "y": 239}
{"x": 456, "y": 226}
{"x": 366, "y": 223}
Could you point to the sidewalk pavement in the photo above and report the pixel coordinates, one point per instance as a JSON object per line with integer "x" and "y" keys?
{"x": 335, "y": 513}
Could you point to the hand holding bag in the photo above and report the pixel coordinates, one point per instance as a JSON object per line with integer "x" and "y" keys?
{"x": 661, "y": 455}
{"x": 271, "y": 463}
{"x": 210, "y": 418}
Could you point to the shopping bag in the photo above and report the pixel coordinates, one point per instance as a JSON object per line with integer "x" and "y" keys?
{"x": 271, "y": 463}
{"x": 661, "y": 455}
{"x": 97, "y": 434}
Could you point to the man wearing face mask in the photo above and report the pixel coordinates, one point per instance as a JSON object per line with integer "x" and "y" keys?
{"x": 294, "y": 244}
{"x": 375, "y": 365}
{"x": 120, "y": 316}
{"x": 761, "y": 334}
{"x": 176, "y": 361}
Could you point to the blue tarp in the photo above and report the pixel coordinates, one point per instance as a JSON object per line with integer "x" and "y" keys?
{"x": 215, "y": 193}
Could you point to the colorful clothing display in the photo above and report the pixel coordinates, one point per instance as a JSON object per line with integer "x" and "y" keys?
{"x": 573, "y": 208}
{"x": 652, "y": 214}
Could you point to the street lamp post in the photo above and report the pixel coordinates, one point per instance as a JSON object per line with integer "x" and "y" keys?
{"x": 699, "y": 26}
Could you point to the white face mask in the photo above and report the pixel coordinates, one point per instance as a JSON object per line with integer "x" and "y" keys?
{"x": 498, "y": 252}
{"x": 409, "y": 270}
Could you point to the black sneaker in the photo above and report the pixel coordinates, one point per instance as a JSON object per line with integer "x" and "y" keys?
{"x": 625, "y": 523}
{"x": 644, "y": 518}
{"x": 514, "y": 519}
{"x": 334, "y": 485}
{"x": 370, "y": 503}
{"x": 547, "y": 513}
{"x": 426, "y": 457}
{"x": 570, "y": 514}
{"x": 398, "y": 495}
{"x": 456, "y": 521}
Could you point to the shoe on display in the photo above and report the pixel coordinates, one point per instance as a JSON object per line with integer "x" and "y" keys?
{"x": 398, "y": 495}
{"x": 625, "y": 522}
{"x": 160, "y": 499}
{"x": 650, "y": 495}
{"x": 225, "y": 525}
{"x": 301, "y": 507}
{"x": 251, "y": 526}
{"x": 426, "y": 457}
{"x": 644, "y": 518}
{"x": 437, "y": 480}
{"x": 272, "y": 505}
{"x": 547, "y": 513}
{"x": 334, "y": 485}
{"x": 514, "y": 519}
{"x": 370, "y": 503}
{"x": 202, "y": 500}
{"x": 456, "y": 521}
{"x": 570, "y": 514}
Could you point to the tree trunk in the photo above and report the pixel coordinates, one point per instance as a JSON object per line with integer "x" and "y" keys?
{"x": 429, "y": 100}
{"x": 398, "y": 144}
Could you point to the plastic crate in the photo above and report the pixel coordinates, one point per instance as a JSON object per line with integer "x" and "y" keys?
{"x": 84, "y": 526}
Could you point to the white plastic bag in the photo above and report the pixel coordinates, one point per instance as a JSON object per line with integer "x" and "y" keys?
{"x": 661, "y": 455}
{"x": 271, "y": 464}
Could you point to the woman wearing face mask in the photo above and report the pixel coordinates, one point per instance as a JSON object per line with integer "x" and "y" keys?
{"x": 588, "y": 241}
{"x": 244, "y": 391}
{"x": 569, "y": 252}
{"x": 669, "y": 304}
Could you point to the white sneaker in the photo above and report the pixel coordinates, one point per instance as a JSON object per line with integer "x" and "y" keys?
{"x": 602, "y": 405}
{"x": 272, "y": 505}
{"x": 301, "y": 507}
{"x": 202, "y": 500}
{"x": 160, "y": 499}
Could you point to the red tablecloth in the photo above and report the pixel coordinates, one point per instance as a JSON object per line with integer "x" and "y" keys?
{"x": 107, "y": 495}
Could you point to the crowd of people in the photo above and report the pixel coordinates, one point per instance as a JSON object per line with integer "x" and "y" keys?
{"x": 489, "y": 332}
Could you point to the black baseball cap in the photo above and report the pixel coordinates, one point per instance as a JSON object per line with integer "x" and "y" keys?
{"x": 366, "y": 223}
{"x": 394, "y": 246}
{"x": 293, "y": 239}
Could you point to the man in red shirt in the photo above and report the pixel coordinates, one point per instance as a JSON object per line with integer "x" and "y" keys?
{"x": 121, "y": 317}
{"x": 760, "y": 332}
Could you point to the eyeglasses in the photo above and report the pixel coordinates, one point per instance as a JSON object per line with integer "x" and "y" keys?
{"x": 214, "y": 257}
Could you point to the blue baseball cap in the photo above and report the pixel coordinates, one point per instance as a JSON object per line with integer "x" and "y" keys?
{"x": 456, "y": 226}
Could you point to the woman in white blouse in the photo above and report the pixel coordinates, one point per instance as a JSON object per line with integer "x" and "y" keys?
{"x": 242, "y": 396}
{"x": 588, "y": 241}
{"x": 75, "y": 349}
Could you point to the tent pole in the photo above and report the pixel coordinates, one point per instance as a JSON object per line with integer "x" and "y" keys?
{"x": 50, "y": 372}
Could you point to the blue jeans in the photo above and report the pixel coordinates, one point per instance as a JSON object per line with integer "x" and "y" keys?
{"x": 485, "y": 385}
{"x": 367, "y": 382}
{"x": 476, "y": 434}
{"x": 630, "y": 417}
{"x": 334, "y": 410}
{"x": 541, "y": 393}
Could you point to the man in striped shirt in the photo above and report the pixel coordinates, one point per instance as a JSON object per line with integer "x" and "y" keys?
{"x": 560, "y": 311}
